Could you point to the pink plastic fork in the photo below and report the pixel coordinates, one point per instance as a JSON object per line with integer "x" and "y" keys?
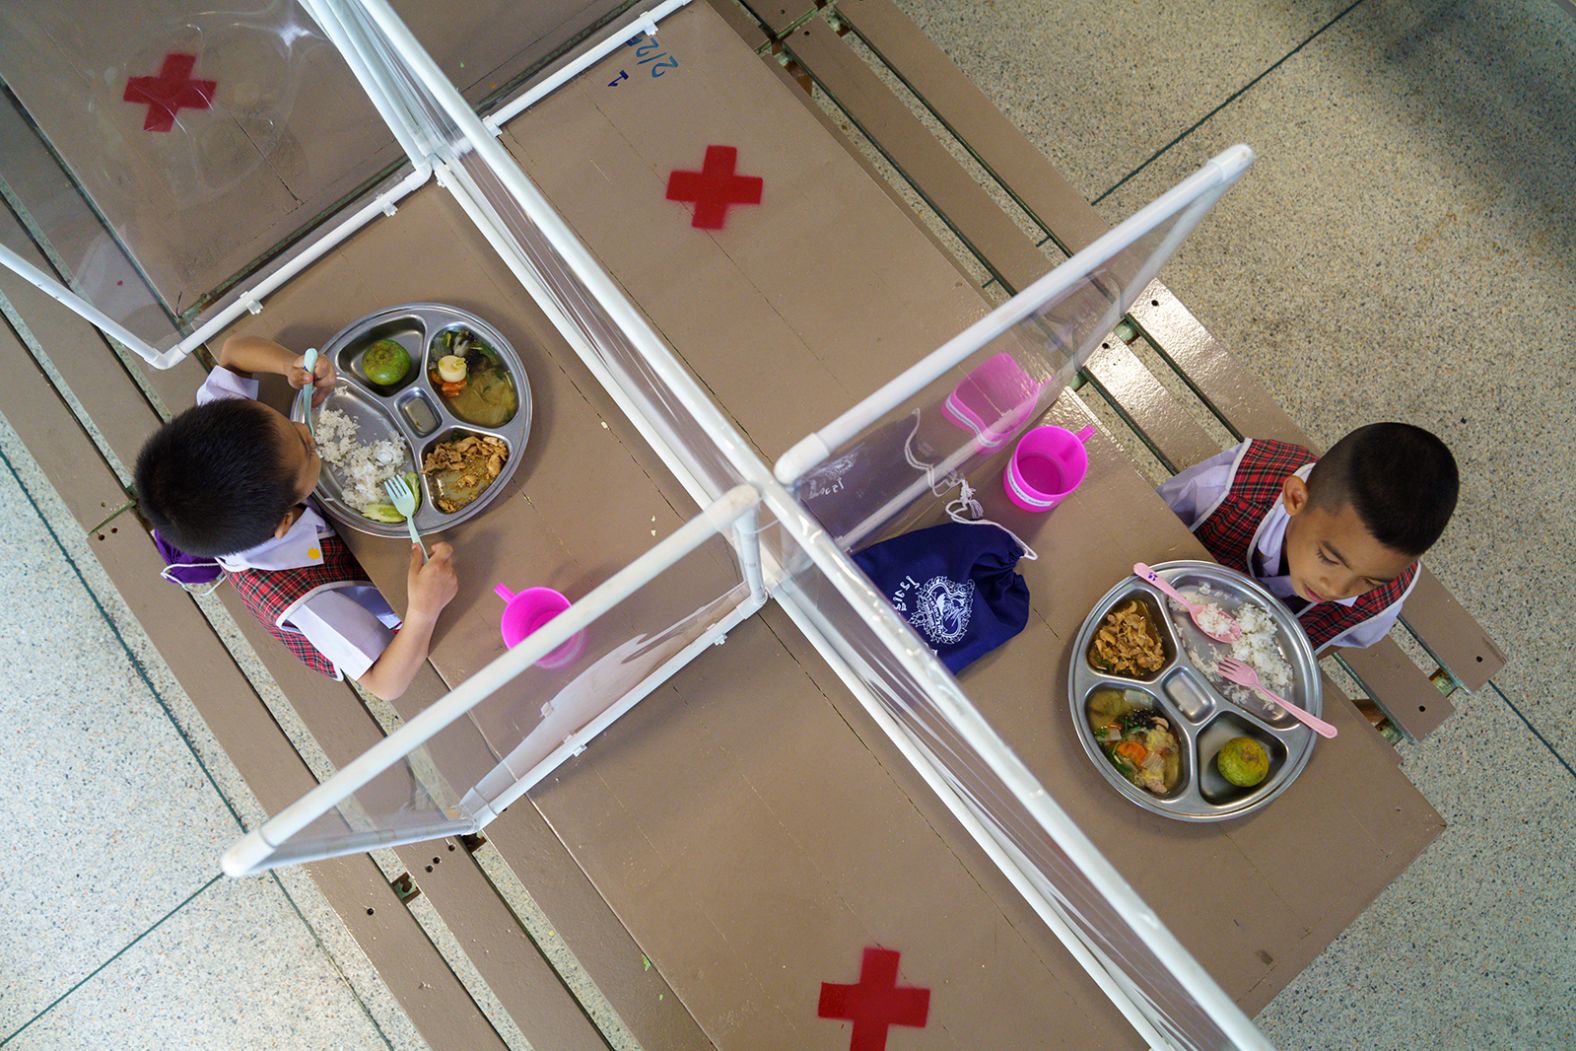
{"x": 1235, "y": 671}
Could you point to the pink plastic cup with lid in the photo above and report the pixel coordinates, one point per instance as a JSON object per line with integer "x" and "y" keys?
{"x": 1048, "y": 464}
{"x": 526, "y": 611}
{"x": 992, "y": 400}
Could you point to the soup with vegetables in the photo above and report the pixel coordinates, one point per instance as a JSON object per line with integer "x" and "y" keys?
{"x": 1136, "y": 738}
{"x": 472, "y": 380}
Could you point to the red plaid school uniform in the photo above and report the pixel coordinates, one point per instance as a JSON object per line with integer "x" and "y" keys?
{"x": 1229, "y": 530}
{"x": 271, "y": 593}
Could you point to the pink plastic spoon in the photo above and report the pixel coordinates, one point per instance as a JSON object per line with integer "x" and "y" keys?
{"x": 1233, "y": 670}
{"x": 1231, "y": 633}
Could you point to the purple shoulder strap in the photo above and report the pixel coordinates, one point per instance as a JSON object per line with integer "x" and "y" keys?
{"x": 184, "y": 569}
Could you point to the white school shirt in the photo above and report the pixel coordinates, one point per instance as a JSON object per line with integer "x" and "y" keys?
{"x": 1198, "y": 491}
{"x": 350, "y": 625}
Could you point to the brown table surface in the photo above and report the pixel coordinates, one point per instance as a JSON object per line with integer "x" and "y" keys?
{"x": 747, "y": 822}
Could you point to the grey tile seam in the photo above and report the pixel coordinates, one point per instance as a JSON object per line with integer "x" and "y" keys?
{"x": 1042, "y": 242}
{"x": 79, "y": 983}
{"x": 136, "y": 662}
{"x": 329, "y": 957}
{"x": 191, "y": 747}
{"x": 1529, "y": 725}
{"x": 1234, "y": 96}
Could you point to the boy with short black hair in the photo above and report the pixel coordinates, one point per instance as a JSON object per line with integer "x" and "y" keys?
{"x": 1336, "y": 538}
{"x": 232, "y": 479}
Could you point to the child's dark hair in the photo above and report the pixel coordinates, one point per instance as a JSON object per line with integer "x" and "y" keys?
{"x": 1401, "y": 479}
{"x": 212, "y": 480}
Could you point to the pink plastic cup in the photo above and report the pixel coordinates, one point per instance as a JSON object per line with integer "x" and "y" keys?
{"x": 992, "y": 400}
{"x": 1048, "y": 464}
{"x": 526, "y": 611}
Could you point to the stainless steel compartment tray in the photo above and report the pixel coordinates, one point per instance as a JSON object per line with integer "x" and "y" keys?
{"x": 1195, "y": 706}
{"x": 378, "y": 409}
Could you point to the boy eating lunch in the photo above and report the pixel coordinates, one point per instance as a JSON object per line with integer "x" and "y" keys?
{"x": 232, "y": 478}
{"x": 1336, "y": 538}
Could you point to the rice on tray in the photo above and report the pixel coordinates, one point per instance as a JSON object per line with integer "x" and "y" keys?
{"x": 360, "y": 467}
{"x": 1259, "y": 647}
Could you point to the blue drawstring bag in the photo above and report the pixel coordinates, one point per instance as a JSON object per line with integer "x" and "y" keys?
{"x": 956, "y": 583}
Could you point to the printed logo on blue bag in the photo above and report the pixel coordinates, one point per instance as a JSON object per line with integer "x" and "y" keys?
{"x": 939, "y": 609}
{"x": 972, "y": 598}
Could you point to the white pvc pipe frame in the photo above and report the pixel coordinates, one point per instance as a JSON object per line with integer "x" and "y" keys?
{"x": 924, "y": 761}
{"x": 1194, "y": 196}
{"x": 645, "y": 23}
{"x": 1066, "y": 834}
{"x": 263, "y": 848}
{"x": 883, "y": 621}
{"x": 812, "y": 450}
{"x": 1142, "y": 920}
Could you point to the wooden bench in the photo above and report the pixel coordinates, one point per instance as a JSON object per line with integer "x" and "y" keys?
{"x": 1414, "y": 700}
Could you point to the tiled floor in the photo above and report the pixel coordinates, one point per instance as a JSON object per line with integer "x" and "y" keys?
{"x": 1402, "y": 249}
{"x": 115, "y": 800}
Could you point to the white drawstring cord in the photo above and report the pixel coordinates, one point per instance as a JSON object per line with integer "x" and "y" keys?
{"x": 964, "y": 501}
{"x": 200, "y": 590}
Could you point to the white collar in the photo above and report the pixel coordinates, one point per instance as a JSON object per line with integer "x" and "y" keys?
{"x": 298, "y": 548}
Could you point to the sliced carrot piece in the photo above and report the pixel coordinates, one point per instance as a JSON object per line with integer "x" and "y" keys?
{"x": 1133, "y": 751}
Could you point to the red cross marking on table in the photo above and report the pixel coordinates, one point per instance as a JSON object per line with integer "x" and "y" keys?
{"x": 714, "y": 188}
{"x": 170, "y": 92}
{"x": 875, "y": 1002}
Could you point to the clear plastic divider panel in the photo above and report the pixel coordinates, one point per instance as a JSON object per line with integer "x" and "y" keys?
{"x": 705, "y": 451}
{"x": 1001, "y": 374}
{"x": 978, "y": 407}
{"x": 608, "y": 333}
{"x": 945, "y": 730}
{"x": 161, "y": 154}
{"x": 548, "y": 712}
{"x": 418, "y": 797}
{"x": 471, "y": 753}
